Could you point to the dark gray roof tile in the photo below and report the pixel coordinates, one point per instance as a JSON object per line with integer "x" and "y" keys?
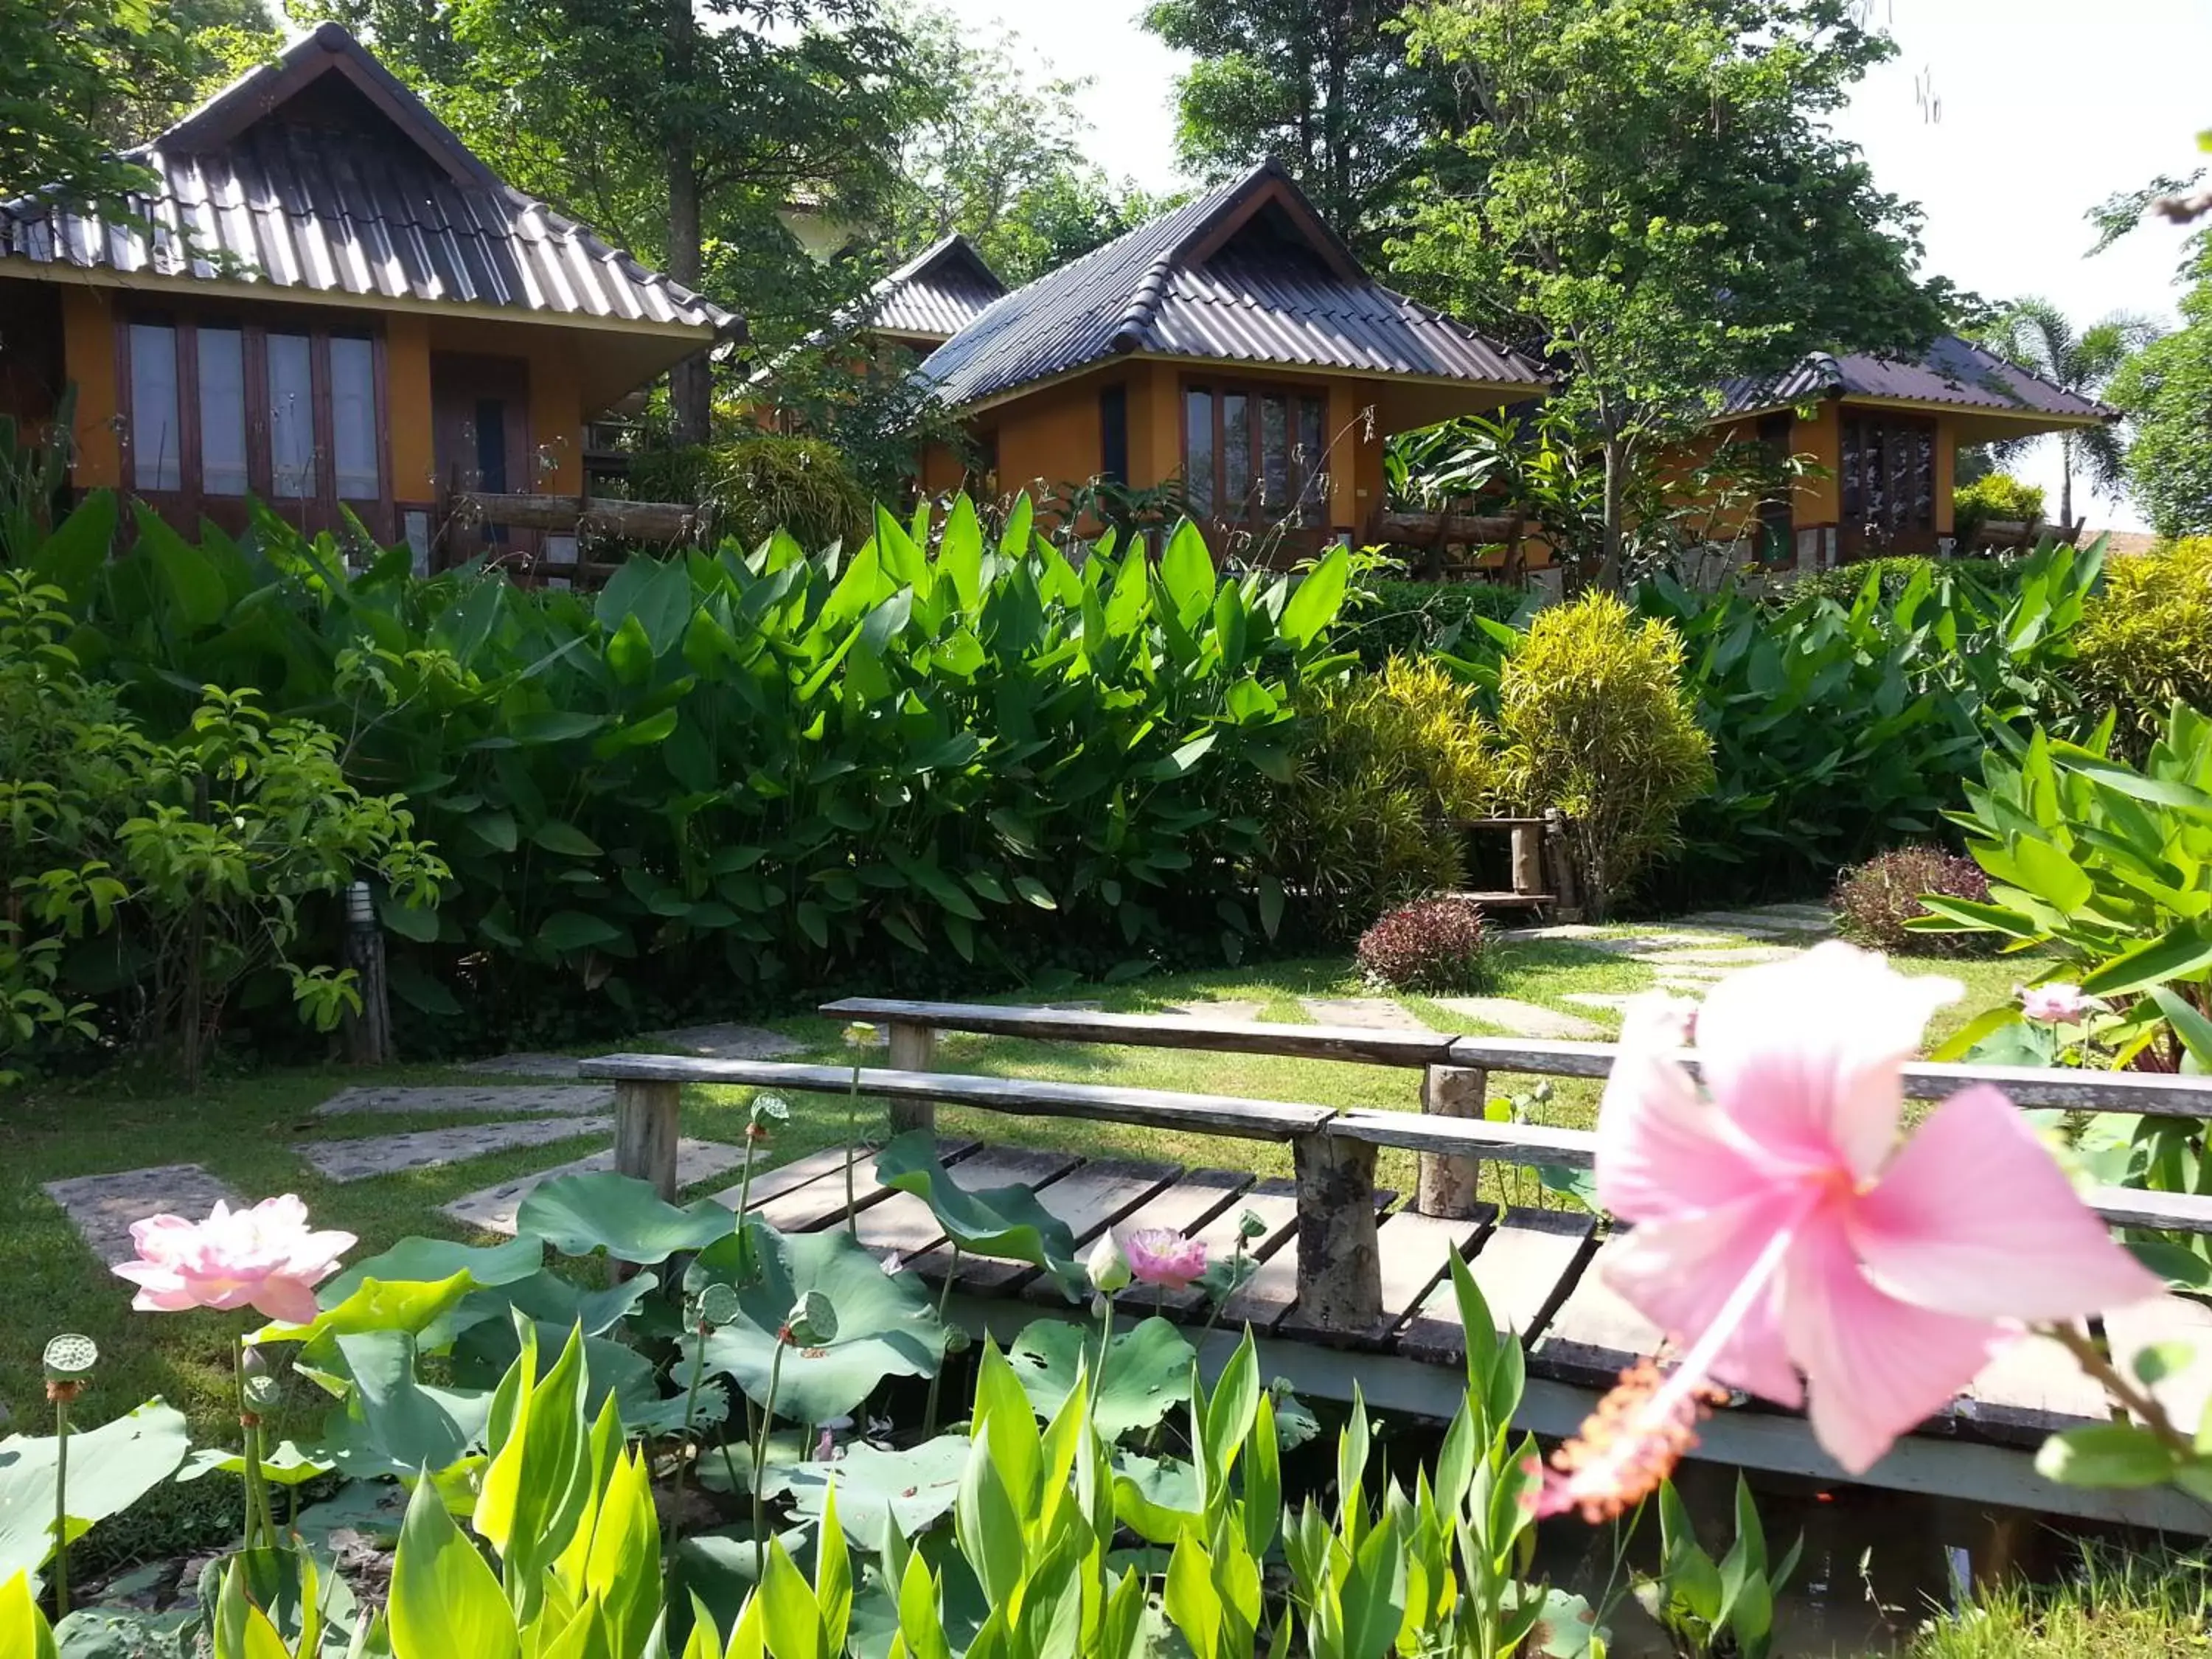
{"x": 1951, "y": 371}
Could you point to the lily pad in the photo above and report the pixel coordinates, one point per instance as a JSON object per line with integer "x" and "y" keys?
{"x": 393, "y": 1425}
{"x": 1006, "y": 1223}
{"x": 283, "y": 1464}
{"x": 421, "y": 1258}
{"x": 1156, "y": 1498}
{"x": 577, "y": 1214}
{"x": 885, "y": 1325}
{"x": 109, "y": 1469}
{"x": 550, "y": 1299}
{"x": 1148, "y": 1371}
{"x": 915, "y": 1485}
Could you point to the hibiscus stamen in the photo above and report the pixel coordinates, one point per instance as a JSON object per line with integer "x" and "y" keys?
{"x": 1647, "y": 1423}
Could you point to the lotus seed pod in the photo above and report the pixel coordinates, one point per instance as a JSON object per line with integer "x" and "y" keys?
{"x": 813, "y": 1322}
{"x": 70, "y": 1358}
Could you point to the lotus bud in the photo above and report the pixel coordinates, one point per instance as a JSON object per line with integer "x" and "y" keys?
{"x": 260, "y": 1384}
{"x": 1108, "y": 1266}
{"x": 812, "y": 1322}
{"x": 956, "y": 1340}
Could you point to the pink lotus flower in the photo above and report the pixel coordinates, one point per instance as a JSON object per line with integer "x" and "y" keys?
{"x": 1782, "y": 1228}
{"x": 1163, "y": 1257}
{"x": 264, "y": 1258}
{"x": 2055, "y": 1003}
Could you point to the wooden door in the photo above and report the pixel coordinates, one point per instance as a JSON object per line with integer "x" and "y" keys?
{"x": 480, "y": 441}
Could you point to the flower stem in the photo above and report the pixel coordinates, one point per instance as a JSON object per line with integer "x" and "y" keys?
{"x": 2140, "y": 1401}
{"x": 760, "y": 1464}
{"x": 1105, "y": 1342}
{"x": 944, "y": 1297}
{"x": 61, "y": 1503}
{"x": 684, "y": 1453}
{"x": 260, "y": 1530}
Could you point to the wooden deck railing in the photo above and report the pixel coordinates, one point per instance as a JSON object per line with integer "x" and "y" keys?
{"x": 1334, "y": 1150}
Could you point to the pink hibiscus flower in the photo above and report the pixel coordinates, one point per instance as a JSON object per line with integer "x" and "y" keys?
{"x": 1163, "y": 1257}
{"x": 1784, "y": 1233}
{"x": 265, "y": 1257}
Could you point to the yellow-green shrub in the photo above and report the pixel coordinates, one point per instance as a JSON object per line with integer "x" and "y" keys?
{"x": 1388, "y": 764}
{"x": 1593, "y": 720}
{"x": 2146, "y": 639}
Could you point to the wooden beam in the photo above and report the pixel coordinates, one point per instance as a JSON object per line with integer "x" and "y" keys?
{"x": 1346, "y": 1042}
{"x": 651, "y": 521}
{"x": 1158, "y": 1108}
{"x": 1467, "y": 528}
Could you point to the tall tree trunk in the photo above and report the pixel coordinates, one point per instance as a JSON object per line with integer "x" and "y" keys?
{"x": 691, "y": 383}
{"x": 2066, "y": 477}
{"x": 1609, "y": 570}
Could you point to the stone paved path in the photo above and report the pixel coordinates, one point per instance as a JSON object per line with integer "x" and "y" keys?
{"x": 430, "y": 1149}
{"x": 102, "y": 1207}
{"x": 1613, "y": 1000}
{"x": 1246, "y": 1012}
{"x": 727, "y": 1041}
{"x": 551, "y": 1099}
{"x": 1740, "y": 955}
{"x": 493, "y": 1208}
{"x": 1367, "y": 1014}
{"x": 1523, "y": 1019}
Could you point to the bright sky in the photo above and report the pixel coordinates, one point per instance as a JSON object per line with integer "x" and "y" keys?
{"x": 2042, "y": 109}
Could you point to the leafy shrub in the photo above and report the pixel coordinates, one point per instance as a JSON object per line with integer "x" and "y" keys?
{"x": 1999, "y": 497}
{"x": 728, "y": 772}
{"x": 180, "y": 873}
{"x": 758, "y": 484}
{"x": 1845, "y": 583}
{"x": 1409, "y": 618}
{"x": 1842, "y": 727}
{"x": 1594, "y": 721}
{"x": 1432, "y": 945}
{"x": 1387, "y": 766}
{"x": 2146, "y": 642}
{"x": 1875, "y": 900}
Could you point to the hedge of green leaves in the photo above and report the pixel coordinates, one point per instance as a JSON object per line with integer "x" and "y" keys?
{"x": 763, "y": 768}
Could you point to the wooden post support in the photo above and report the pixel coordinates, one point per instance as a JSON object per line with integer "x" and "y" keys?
{"x": 645, "y": 1132}
{"x": 1448, "y": 1180}
{"x": 1565, "y": 890}
{"x": 914, "y": 1048}
{"x": 368, "y": 1033}
{"x": 1527, "y": 858}
{"x": 1340, "y": 1267}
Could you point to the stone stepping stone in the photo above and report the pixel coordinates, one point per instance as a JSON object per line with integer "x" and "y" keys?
{"x": 1613, "y": 1000}
{"x": 1738, "y": 922}
{"x": 101, "y": 1207}
{"x": 1683, "y": 988}
{"x": 1246, "y": 1012}
{"x": 551, "y": 1099}
{"x": 525, "y": 1065}
{"x": 1741, "y": 955}
{"x": 727, "y": 1041}
{"x": 493, "y": 1208}
{"x": 1818, "y": 915}
{"x": 1523, "y": 1019}
{"x": 430, "y": 1149}
{"x": 1366, "y": 1013}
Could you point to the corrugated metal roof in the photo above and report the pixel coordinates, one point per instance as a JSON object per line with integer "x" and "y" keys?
{"x": 394, "y": 208}
{"x": 1260, "y": 299}
{"x": 1952, "y": 371}
{"x": 936, "y": 293}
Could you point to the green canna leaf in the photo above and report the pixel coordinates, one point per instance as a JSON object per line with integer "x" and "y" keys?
{"x": 444, "y": 1599}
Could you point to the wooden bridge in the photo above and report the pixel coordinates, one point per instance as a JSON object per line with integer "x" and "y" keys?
{"x": 1350, "y": 1281}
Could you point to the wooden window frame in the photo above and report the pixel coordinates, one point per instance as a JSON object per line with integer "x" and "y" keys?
{"x": 1901, "y": 447}
{"x": 1302, "y": 482}
{"x": 191, "y": 499}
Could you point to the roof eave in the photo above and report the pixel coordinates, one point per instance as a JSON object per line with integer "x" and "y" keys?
{"x": 1512, "y": 391}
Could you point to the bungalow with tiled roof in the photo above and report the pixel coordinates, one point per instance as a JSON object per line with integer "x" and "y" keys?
{"x": 325, "y": 300}
{"x": 1234, "y": 346}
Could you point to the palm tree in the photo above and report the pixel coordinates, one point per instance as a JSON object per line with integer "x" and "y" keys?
{"x": 2036, "y": 334}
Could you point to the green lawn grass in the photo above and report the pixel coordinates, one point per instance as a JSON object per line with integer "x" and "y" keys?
{"x": 244, "y": 1129}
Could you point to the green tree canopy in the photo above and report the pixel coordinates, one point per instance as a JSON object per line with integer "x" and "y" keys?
{"x": 1651, "y": 197}
{"x": 2166, "y": 390}
{"x": 1324, "y": 87}
{"x": 82, "y": 79}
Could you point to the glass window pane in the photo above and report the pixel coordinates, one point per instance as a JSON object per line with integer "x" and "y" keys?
{"x": 1275, "y": 453}
{"x": 1235, "y": 456}
{"x": 291, "y": 418}
{"x": 1198, "y": 452}
{"x": 222, "y": 411}
{"x": 1313, "y": 480}
{"x": 1852, "y": 515}
{"x": 353, "y": 418}
{"x": 156, "y": 439}
{"x": 1923, "y": 480}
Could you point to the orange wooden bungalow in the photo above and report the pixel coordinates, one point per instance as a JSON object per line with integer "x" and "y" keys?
{"x": 326, "y": 301}
{"x": 1234, "y": 345}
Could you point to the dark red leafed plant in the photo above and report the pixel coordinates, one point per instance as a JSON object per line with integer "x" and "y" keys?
{"x": 1875, "y": 900}
{"x": 1432, "y": 944}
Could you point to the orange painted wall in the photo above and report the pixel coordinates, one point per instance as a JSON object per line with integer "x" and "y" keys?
{"x": 1355, "y": 460}
{"x": 1946, "y": 474}
{"x": 1051, "y": 439}
{"x": 89, "y": 361}
{"x": 407, "y": 406}
{"x": 556, "y": 419}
